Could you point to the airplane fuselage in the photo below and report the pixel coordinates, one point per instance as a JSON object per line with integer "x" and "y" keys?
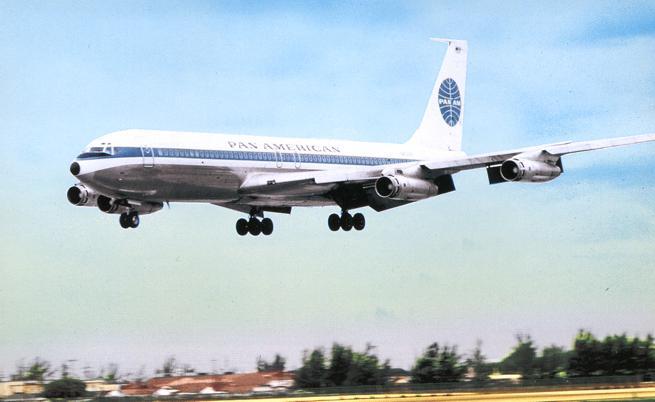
{"x": 162, "y": 166}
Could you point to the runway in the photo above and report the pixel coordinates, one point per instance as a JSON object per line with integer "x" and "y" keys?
{"x": 532, "y": 396}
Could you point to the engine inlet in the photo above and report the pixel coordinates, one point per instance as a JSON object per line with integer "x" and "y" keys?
{"x": 75, "y": 168}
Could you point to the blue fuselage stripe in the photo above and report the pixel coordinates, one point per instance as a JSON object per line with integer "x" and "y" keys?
{"x": 279, "y": 157}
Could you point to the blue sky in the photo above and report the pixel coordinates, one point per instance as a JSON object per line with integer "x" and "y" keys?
{"x": 482, "y": 262}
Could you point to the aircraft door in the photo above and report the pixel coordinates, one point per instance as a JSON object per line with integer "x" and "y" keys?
{"x": 278, "y": 159}
{"x": 296, "y": 160}
{"x": 148, "y": 157}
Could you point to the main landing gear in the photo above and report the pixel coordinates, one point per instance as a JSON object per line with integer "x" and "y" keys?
{"x": 346, "y": 221}
{"x": 129, "y": 220}
{"x": 254, "y": 226}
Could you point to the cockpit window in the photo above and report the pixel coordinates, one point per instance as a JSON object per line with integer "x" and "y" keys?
{"x": 102, "y": 151}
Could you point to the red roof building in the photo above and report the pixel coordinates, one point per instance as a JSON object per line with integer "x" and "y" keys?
{"x": 230, "y": 383}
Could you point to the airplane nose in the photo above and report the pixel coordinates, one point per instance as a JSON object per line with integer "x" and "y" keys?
{"x": 75, "y": 168}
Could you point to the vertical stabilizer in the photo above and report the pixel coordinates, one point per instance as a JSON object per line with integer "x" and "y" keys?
{"x": 441, "y": 127}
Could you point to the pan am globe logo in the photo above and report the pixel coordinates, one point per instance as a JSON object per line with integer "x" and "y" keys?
{"x": 450, "y": 102}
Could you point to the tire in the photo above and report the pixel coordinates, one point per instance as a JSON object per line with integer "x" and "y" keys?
{"x": 359, "y": 222}
{"x": 123, "y": 220}
{"x": 267, "y": 226}
{"x": 134, "y": 220}
{"x": 254, "y": 226}
{"x": 242, "y": 227}
{"x": 346, "y": 222}
{"x": 334, "y": 222}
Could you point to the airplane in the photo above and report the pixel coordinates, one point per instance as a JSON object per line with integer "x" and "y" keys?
{"x": 134, "y": 172}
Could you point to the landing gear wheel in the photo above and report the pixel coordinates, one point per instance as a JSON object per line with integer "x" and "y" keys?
{"x": 359, "y": 221}
{"x": 267, "y": 226}
{"x": 123, "y": 220}
{"x": 254, "y": 226}
{"x": 334, "y": 222}
{"x": 346, "y": 222}
{"x": 133, "y": 219}
{"x": 242, "y": 227}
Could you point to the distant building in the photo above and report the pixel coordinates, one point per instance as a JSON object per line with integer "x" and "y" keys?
{"x": 101, "y": 386}
{"x": 10, "y": 388}
{"x": 246, "y": 383}
{"x": 513, "y": 378}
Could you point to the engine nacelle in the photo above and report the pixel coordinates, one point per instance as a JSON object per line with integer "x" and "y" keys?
{"x": 108, "y": 205}
{"x": 518, "y": 169}
{"x": 81, "y": 195}
{"x": 398, "y": 187}
{"x": 114, "y": 206}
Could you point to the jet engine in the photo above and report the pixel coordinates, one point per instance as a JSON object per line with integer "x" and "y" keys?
{"x": 398, "y": 187}
{"x": 108, "y": 205}
{"x": 80, "y": 195}
{"x": 114, "y": 206}
{"x": 528, "y": 170}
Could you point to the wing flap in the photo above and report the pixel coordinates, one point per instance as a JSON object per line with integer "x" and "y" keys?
{"x": 306, "y": 182}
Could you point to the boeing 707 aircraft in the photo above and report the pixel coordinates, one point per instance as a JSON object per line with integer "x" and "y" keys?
{"x": 134, "y": 172}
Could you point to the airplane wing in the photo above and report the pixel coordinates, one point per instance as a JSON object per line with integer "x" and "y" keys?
{"x": 342, "y": 183}
{"x": 557, "y": 150}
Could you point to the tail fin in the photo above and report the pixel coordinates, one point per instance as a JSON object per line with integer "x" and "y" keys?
{"x": 441, "y": 127}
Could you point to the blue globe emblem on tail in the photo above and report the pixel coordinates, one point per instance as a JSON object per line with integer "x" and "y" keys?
{"x": 450, "y": 102}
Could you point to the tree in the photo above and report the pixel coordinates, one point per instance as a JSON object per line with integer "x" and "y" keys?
{"x": 553, "y": 360}
{"x": 522, "y": 359}
{"x": 64, "y": 370}
{"x": 313, "y": 371}
{"x": 644, "y": 354}
{"x": 614, "y": 355}
{"x": 110, "y": 373}
{"x": 340, "y": 361}
{"x": 37, "y": 370}
{"x": 478, "y": 363}
{"x": 65, "y": 388}
{"x": 366, "y": 369}
{"x": 585, "y": 357}
{"x": 277, "y": 364}
{"x": 169, "y": 367}
{"x": 438, "y": 365}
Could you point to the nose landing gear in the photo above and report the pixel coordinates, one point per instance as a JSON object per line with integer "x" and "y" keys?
{"x": 346, "y": 221}
{"x": 129, "y": 220}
